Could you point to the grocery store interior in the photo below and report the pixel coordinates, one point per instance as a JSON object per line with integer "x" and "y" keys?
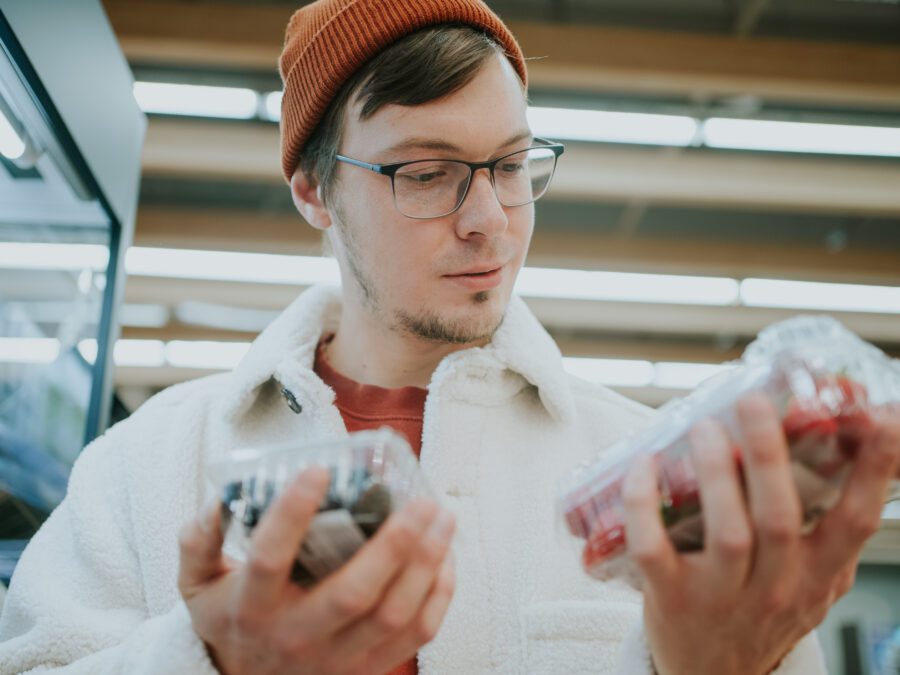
{"x": 728, "y": 164}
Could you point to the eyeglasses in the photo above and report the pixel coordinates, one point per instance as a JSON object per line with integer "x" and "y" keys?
{"x": 433, "y": 188}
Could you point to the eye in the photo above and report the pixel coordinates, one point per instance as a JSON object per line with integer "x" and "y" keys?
{"x": 423, "y": 177}
{"x": 511, "y": 168}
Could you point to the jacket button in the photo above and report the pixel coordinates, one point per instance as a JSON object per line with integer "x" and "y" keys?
{"x": 291, "y": 400}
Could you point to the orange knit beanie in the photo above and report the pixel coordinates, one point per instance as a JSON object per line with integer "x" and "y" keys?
{"x": 327, "y": 41}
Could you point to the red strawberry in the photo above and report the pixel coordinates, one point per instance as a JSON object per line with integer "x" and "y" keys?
{"x": 827, "y": 430}
{"x": 603, "y": 545}
{"x": 806, "y": 417}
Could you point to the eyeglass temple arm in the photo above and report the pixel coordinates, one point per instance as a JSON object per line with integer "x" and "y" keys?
{"x": 558, "y": 148}
{"x": 377, "y": 168}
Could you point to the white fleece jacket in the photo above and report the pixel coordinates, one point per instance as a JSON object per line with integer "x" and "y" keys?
{"x": 95, "y": 591}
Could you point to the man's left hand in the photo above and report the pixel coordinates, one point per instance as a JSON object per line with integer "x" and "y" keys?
{"x": 759, "y": 586}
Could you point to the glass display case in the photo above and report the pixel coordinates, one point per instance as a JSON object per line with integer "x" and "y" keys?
{"x": 70, "y": 144}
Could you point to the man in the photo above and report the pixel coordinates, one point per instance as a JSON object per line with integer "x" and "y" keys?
{"x": 405, "y": 140}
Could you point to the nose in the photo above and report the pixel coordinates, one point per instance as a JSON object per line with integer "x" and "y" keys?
{"x": 481, "y": 212}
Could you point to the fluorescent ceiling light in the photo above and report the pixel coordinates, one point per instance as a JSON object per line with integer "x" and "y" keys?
{"x": 64, "y": 257}
{"x": 41, "y": 311}
{"x": 129, "y": 353}
{"x": 638, "y": 373}
{"x": 205, "y": 354}
{"x": 839, "y": 139}
{"x": 542, "y": 282}
{"x": 612, "y": 127}
{"x": 611, "y": 372}
{"x": 676, "y": 375}
{"x": 140, "y": 353}
{"x": 535, "y": 282}
{"x": 88, "y": 349}
{"x": 29, "y": 350}
{"x": 575, "y": 124}
{"x": 230, "y": 266}
{"x": 175, "y": 263}
{"x": 132, "y": 353}
{"x": 584, "y": 125}
{"x": 143, "y": 315}
{"x": 224, "y": 317}
{"x": 202, "y": 101}
{"x": 272, "y": 105}
{"x": 12, "y": 146}
{"x": 820, "y": 296}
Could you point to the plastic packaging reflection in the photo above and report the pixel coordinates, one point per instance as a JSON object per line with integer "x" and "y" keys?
{"x": 824, "y": 382}
{"x": 373, "y": 474}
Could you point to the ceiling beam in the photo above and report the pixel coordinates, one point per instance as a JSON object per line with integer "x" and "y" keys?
{"x": 182, "y": 331}
{"x": 251, "y": 151}
{"x": 223, "y": 149}
{"x": 748, "y": 16}
{"x": 222, "y": 229}
{"x": 566, "y": 248}
{"x": 590, "y": 58}
{"x": 554, "y": 244}
{"x": 728, "y": 179}
{"x": 687, "y": 320}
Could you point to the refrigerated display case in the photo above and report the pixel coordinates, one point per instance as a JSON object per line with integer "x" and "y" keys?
{"x": 71, "y": 136}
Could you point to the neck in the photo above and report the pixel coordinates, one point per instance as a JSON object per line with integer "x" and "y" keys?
{"x": 365, "y": 350}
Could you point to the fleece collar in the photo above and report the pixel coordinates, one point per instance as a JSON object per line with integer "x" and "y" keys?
{"x": 521, "y": 352}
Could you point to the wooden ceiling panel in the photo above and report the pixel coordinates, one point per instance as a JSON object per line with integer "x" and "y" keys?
{"x": 581, "y": 57}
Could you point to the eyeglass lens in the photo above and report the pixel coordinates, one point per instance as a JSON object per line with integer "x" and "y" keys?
{"x": 434, "y": 188}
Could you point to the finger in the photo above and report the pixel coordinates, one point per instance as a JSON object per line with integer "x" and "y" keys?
{"x": 774, "y": 503}
{"x": 648, "y": 544}
{"x": 842, "y": 531}
{"x": 423, "y": 628}
{"x": 405, "y": 597}
{"x": 728, "y": 537}
{"x": 844, "y": 581}
{"x": 200, "y": 548}
{"x": 353, "y": 590}
{"x": 276, "y": 540}
{"x": 889, "y": 414}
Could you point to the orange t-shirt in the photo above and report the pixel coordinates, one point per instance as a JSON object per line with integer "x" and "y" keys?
{"x": 365, "y": 406}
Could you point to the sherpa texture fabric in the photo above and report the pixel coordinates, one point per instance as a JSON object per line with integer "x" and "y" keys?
{"x": 96, "y": 589}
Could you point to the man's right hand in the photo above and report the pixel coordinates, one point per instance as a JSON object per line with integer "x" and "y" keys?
{"x": 369, "y": 616}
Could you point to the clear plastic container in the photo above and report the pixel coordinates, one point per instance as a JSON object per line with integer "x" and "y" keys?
{"x": 373, "y": 474}
{"x": 824, "y": 382}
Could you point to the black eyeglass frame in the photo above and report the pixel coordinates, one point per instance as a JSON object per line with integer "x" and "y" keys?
{"x": 392, "y": 169}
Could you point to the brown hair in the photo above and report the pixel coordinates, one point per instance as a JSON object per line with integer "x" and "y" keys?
{"x": 420, "y": 67}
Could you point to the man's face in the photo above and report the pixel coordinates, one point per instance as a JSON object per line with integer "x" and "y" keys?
{"x": 406, "y": 272}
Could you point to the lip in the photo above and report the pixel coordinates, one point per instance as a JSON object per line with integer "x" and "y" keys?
{"x": 479, "y": 279}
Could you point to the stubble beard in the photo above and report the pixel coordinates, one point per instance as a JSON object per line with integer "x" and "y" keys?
{"x": 426, "y": 324}
{"x": 432, "y": 327}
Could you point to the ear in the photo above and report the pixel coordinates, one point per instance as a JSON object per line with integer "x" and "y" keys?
{"x": 307, "y": 196}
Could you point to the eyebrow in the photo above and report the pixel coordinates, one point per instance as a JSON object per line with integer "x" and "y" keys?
{"x": 441, "y": 145}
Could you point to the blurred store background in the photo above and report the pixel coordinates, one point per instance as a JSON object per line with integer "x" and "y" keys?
{"x": 729, "y": 163}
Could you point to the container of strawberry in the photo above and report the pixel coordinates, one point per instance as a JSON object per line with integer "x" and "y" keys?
{"x": 373, "y": 474}
{"x": 825, "y": 383}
